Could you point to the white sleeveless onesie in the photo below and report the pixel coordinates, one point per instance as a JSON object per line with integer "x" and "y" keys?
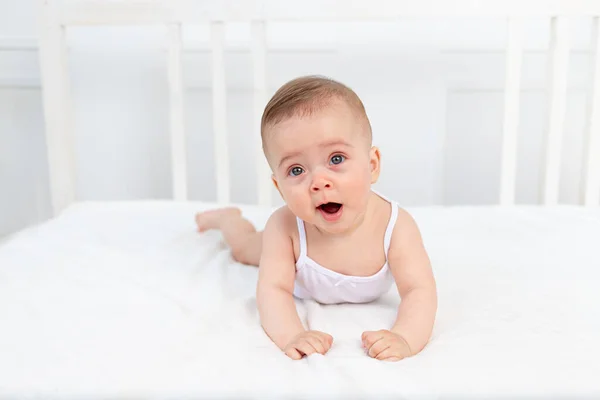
{"x": 325, "y": 286}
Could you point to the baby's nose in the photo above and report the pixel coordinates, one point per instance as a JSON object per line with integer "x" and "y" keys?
{"x": 320, "y": 183}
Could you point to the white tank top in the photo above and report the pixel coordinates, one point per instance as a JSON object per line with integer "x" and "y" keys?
{"x": 325, "y": 286}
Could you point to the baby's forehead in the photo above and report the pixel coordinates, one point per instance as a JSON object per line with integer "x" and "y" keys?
{"x": 301, "y": 136}
{"x": 314, "y": 128}
{"x": 337, "y": 117}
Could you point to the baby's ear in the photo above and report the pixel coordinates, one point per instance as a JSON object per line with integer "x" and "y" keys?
{"x": 374, "y": 163}
{"x": 276, "y": 184}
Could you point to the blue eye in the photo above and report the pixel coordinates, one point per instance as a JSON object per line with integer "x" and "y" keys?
{"x": 296, "y": 171}
{"x": 337, "y": 159}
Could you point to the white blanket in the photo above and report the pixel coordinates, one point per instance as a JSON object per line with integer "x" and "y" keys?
{"x": 127, "y": 300}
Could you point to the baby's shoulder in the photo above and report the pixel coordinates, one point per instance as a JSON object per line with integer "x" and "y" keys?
{"x": 283, "y": 221}
{"x": 406, "y": 231}
{"x": 282, "y": 228}
{"x": 404, "y": 218}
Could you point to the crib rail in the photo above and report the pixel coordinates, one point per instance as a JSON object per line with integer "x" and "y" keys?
{"x": 57, "y": 15}
{"x": 177, "y": 124}
{"x": 591, "y": 170}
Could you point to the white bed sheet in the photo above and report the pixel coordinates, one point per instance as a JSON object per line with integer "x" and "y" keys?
{"x": 127, "y": 300}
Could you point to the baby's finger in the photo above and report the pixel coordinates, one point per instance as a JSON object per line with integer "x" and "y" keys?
{"x": 378, "y": 347}
{"x": 293, "y": 353}
{"x": 327, "y": 338}
{"x": 305, "y": 347}
{"x": 316, "y": 342}
{"x": 370, "y": 337}
{"x": 389, "y": 354}
{"x": 366, "y": 335}
{"x": 371, "y": 340}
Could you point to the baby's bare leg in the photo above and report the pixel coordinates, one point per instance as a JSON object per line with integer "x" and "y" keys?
{"x": 239, "y": 234}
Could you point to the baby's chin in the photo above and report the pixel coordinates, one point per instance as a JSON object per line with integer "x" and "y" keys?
{"x": 340, "y": 227}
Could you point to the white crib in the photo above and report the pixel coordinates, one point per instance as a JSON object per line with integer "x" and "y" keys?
{"x": 125, "y": 299}
{"x": 59, "y": 15}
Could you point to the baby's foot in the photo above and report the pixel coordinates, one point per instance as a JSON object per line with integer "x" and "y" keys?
{"x": 212, "y": 219}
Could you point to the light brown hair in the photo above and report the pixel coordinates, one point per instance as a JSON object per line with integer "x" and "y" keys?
{"x": 306, "y": 95}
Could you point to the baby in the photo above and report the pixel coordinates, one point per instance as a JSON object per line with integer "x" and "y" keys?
{"x": 335, "y": 240}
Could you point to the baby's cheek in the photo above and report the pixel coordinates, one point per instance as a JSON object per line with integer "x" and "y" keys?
{"x": 296, "y": 201}
{"x": 361, "y": 182}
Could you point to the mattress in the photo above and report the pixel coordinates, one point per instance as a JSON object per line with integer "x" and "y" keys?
{"x": 128, "y": 300}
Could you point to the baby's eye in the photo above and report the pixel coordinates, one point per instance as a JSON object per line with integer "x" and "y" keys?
{"x": 337, "y": 159}
{"x": 296, "y": 171}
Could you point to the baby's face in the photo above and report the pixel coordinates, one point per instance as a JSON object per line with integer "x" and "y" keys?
{"x": 323, "y": 166}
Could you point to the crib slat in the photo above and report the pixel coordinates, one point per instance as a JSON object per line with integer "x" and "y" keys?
{"x": 58, "y": 113}
{"x": 176, "y": 114}
{"x": 559, "y": 62}
{"x": 259, "y": 59}
{"x": 514, "y": 55}
{"x": 217, "y": 30}
{"x": 591, "y": 167}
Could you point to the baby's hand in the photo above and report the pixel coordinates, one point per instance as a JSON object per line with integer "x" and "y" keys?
{"x": 307, "y": 343}
{"x": 385, "y": 345}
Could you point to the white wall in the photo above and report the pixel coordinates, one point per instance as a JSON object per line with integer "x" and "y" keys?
{"x": 432, "y": 88}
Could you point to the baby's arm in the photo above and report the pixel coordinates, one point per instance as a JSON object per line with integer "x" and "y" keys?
{"x": 410, "y": 265}
{"x": 274, "y": 295}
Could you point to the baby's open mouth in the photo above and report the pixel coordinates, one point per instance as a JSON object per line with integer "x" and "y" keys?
{"x": 330, "y": 208}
